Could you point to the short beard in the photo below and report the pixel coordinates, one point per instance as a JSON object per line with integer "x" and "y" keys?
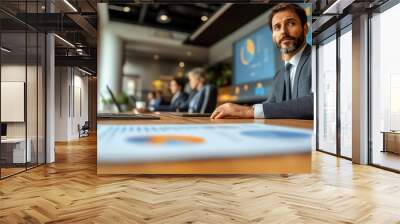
{"x": 288, "y": 50}
{"x": 297, "y": 44}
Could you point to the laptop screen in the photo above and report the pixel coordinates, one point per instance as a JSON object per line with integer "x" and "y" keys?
{"x": 3, "y": 129}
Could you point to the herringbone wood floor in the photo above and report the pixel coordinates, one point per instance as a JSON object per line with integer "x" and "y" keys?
{"x": 69, "y": 191}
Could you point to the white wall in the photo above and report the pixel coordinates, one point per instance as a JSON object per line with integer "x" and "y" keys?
{"x": 62, "y": 82}
{"x": 71, "y": 94}
{"x": 10, "y": 73}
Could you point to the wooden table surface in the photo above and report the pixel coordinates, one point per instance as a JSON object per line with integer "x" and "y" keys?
{"x": 288, "y": 163}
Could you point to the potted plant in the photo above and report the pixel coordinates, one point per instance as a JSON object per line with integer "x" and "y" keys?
{"x": 124, "y": 102}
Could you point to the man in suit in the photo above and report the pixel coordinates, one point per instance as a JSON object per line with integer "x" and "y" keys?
{"x": 179, "y": 97}
{"x": 291, "y": 95}
{"x": 205, "y": 98}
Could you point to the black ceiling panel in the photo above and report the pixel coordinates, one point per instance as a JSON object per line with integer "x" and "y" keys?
{"x": 184, "y": 17}
{"x": 232, "y": 19}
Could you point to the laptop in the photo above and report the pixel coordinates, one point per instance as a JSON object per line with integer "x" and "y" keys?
{"x": 124, "y": 115}
{"x": 185, "y": 114}
{"x": 3, "y": 131}
{"x": 128, "y": 116}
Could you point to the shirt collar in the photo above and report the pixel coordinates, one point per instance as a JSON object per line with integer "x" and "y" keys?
{"x": 296, "y": 58}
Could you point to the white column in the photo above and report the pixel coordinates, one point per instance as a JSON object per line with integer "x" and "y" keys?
{"x": 360, "y": 90}
{"x": 110, "y": 50}
{"x": 314, "y": 90}
{"x": 50, "y": 98}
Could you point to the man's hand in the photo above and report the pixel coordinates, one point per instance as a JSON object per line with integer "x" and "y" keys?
{"x": 232, "y": 110}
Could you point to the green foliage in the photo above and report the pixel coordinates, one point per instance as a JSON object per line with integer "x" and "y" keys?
{"x": 106, "y": 101}
{"x": 220, "y": 74}
{"x": 123, "y": 99}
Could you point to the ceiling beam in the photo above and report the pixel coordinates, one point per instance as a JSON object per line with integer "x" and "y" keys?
{"x": 143, "y": 12}
{"x": 84, "y": 24}
{"x": 83, "y": 61}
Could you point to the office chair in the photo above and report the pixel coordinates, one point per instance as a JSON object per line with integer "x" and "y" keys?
{"x": 84, "y": 130}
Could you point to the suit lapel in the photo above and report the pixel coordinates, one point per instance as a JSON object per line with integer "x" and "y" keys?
{"x": 304, "y": 56}
{"x": 280, "y": 91}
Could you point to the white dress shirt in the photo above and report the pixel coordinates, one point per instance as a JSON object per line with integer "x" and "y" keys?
{"x": 294, "y": 61}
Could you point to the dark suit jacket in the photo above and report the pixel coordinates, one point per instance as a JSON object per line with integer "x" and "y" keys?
{"x": 205, "y": 100}
{"x": 301, "y": 105}
{"x": 179, "y": 103}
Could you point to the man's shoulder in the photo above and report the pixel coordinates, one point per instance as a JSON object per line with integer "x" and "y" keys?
{"x": 307, "y": 50}
{"x": 279, "y": 73}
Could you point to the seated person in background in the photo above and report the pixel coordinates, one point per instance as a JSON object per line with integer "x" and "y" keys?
{"x": 291, "y": 95}
{"x": 205, "y": 98}
{"x": 153, "y": 101}
{"x": 179, "y": 97}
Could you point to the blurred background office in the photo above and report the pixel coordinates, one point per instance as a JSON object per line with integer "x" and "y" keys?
{"x": 145, "y": 46}
{"x": 158, "y": 42}
{"x": 49, "y": 64}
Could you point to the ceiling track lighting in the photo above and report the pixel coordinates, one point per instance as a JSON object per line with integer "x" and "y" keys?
{"x": 84, "y": 71}
{"x": 70, "y": 5}
{"x": 65, "y": 41}
{"x": 5, "y": 50}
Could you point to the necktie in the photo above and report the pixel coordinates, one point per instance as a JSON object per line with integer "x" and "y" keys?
{"x": 287, "y": 81}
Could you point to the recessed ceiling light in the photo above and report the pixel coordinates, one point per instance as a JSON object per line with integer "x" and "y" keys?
{"x": 163, "y": 17}
{"x": 204, "y": 18}
{"x": 156, "y": 57}
{"x": 43, "y": 7}
{"x": 126, "y": 9}
{"x": 181, "y": 64}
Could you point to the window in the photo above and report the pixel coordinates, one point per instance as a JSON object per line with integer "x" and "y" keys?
{"x": 346, "y": 92}
{"x": 327, "y": 95}
{"x": 385, "y": 88}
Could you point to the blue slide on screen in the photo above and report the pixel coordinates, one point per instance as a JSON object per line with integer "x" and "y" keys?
{"x": 255, "y": 57}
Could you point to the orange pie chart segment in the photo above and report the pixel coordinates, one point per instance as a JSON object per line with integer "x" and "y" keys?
{"x": 166, "y": 140}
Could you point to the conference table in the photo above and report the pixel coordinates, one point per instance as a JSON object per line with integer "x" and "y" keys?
{"x": 280, "y": 164}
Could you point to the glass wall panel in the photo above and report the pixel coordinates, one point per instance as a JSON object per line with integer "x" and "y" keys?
{"x": 346, "y": 93}
{"x": 31, "y": 97}
{"x": 32, "y": 86}
{"x": 41, "y": 98}
{"x": 14, "y": 153}
{"x": 22, "y": 64}
{"x": 385, "y": 87}
{"x": 327, "y": 95}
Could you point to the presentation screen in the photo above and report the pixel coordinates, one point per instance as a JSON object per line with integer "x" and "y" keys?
{"x": 255, "y": 57}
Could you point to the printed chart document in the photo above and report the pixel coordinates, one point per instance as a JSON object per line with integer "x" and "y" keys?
{"x": 154, "y": 143}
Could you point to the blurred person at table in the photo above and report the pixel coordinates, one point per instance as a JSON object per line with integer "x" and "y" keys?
{"x": 153, "y": 100}
{"x": 204, "y": 100}
{"x": 179, "y": 97}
